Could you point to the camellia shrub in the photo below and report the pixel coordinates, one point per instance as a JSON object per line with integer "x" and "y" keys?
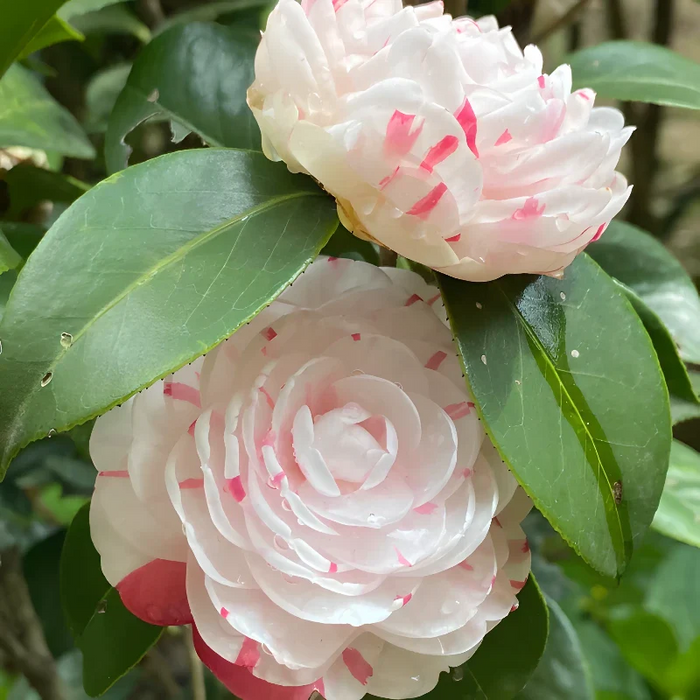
{"x": 366, "y": 356}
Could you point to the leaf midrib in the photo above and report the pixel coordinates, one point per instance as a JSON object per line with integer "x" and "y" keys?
{"x": 533, "y": 336}
{"x": 154, "y": 270}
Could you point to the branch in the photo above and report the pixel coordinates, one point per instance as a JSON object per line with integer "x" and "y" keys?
{"x": 560, "y": 22}
{"x": 21, "y": 636}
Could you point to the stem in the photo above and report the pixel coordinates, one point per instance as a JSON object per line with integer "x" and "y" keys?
{"x": 151, "y": 12}
{"x": 387, "y": 258}
{"x": 158, "y": 667}
{"x": 199, "y": 691}
{"x": 21, "y": 636}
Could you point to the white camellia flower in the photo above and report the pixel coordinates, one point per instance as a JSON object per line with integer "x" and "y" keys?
{"x": 440, "y": 139}
{"x": 316, "y": 496}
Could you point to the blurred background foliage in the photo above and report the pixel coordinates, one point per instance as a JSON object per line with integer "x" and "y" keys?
{"x": 638, "y": 639}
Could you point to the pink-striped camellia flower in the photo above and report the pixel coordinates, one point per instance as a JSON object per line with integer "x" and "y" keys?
{"x": 316, "y": 497}
{"x": 440, "y": 139}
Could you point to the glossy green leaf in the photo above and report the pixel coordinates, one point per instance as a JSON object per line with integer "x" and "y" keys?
{"x": 147, "y": 271}
{"x": 112, "y": 639}
{"x": 196, "y": 74}
{"x": 55, "y": 31}
{"x": 21, "y": 22}
{"x": 29, "y": 116}
{"x": 642, "y": 263}
{"x": 9, "y": 258}
{"x": 41, "y": 571}
{"x": 112, "y": 19}
{"x": 28, "y": 185}
{"x": 22, "y": 237}
{"x": 613, "y": 677}
{"x": 639, "y": 72}
{"x": 568, "y": 386}
{"x": 80, "y": 7}
{"x": 507, "y": 657}
{"x": 212, "y": 11}
{"x": 678, "y": 512}
{"x": 562, "y": 671}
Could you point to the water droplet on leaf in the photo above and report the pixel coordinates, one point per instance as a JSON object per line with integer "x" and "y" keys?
{"x": 66, "y": 340}
{"x": 46, "y": 378}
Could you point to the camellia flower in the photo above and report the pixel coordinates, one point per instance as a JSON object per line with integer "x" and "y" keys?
{"x": 439, "y": 138}
{"x": 316, "y": 497}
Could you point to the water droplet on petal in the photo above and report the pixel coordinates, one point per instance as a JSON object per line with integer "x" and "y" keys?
{"x": 66, "y": 340}
{"x": 46, "y": 379}
{"x": 266, "y": 649}
{"x": 285, "y": 505}
{"x": 575, "y": 353}
{"x": 291, "y": 580}
{"x": 399, "y": 384}
{"x": 356, "y": 372}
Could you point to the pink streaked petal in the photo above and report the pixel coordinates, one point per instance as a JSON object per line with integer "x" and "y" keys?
{"x": 426, "y": 509}
{"x": 337, "y": 4}
{"x": 441, "y": 150}
{"x": 467, "y": 473}
{"x": 526, "y": 547}
{"x": 224, "y": 613}
{"x": 269, "y": 439}
{"x": 405, "y": 599}
{"x": 467, "y": 120}
{"x": 268, "y": 334}
{"x": 466, "y": 566}
{"x": 333, "y": 568}
{"x": 193, "y": 425}
{"x": 587, "y": 94}
{"x": 384, "y": 182}
{"x": 359, "y": 668}
{"x": 182, "y": 392}
{"x": 119, "y": 474}
{"x": 356, "y": 336}
{"x": 436, "y": 360}
{"x": 192, "y": 484}
{"x": 402, "y": 559}
{"x": 432, "y": 300}
{"x": 599, "y": 232}
{"x": 530, "y": 210}
{"x": 399, "y": 137}
{"x": 458, "y": 410}
{"x": 453, "y": 239}
{"x": 268, "y": 398}
{"x": 518, "y": 585}
{"x": 235, "y": 488}
{"x": 498, "y": 522}
{"x": 541, "y": 82}
{"x": 413, "y": 299}
{"x": 514, "y": 607}
{"x": 505, "y": 137}
{"x": 156, "y": 593}
{"x": 242, "y": 683}
{"x": 424, "y": 206}
{"x": 249, "y": 655}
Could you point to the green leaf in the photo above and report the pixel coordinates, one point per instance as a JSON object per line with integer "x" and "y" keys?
{"x": 9, "y": 258}
{"x": 212, "y": 11}
{"x": 673, "y": 594}
{"x": 682, "y": 410}
{"x": 144, "y": 273}
{"x": 29, "y": 116}
{"x": 21, "y": 22}
{"x": 569, "y": 388}
{"x": 507, "y": 657}
{"x": 112, "y": 19}
{"x": 196, "y": 74}
{"x": 112, "y": 639}
{"x": 41, "y": 571}
{"x": 675, "y": 372}
{"x": 613, "y": 677}
{"x": 28, "y": 186}
{"x": 22, "y": 237}
{"x": 677, "y": 516}
{"x": 642, "y": 263}
{"x": 562, "y": 671}
{"x": 639, "y": 72}
{"x": 80, "y": 7}
{"x": 101, "y": 95}
{"x": 55, "y": 31}
{"x": 647, "y": 642}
